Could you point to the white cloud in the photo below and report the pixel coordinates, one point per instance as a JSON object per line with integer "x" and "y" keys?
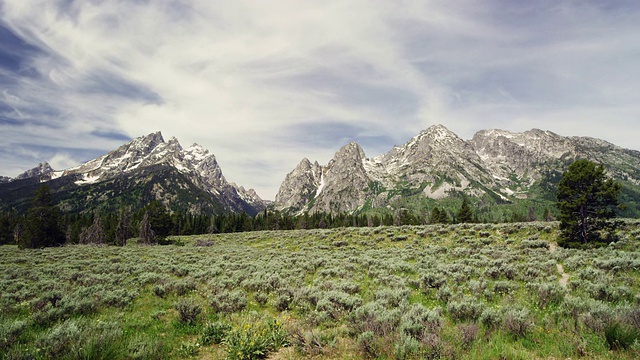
{"x": 240, "y": 77}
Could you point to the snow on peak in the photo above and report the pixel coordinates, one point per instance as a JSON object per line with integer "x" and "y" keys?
{"x": 196, "y": 153}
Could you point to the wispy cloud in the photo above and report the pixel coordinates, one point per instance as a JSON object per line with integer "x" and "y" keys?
{"x": 263, "y": 84}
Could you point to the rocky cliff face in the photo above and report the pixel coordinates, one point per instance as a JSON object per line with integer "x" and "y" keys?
{"x": 437, "y": 163}
{"x": 344, "y": 182}
{"x": 300, "y": 185}
{"x": 197, "y": 168}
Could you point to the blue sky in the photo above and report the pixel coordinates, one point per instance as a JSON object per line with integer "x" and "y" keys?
{"x": 263, "y": 84}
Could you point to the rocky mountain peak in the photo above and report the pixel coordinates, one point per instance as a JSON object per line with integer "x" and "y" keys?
{"x": 300, "y": 185}
{"x": 303, "y": 166}
{"x": 438, "y": 132}
{"x": 351, "y": 153}
{"x": 197, "y": 153}
{"x": 147, "y": 143}
{"x": 43, "y": 170}
{"x": 174, "y": 144}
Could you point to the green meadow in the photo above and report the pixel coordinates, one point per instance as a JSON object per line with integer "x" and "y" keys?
{"x": 465, "y": 291}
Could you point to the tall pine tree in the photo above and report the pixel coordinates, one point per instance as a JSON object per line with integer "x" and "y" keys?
{"x": 42, "y": 225}
{"x": 465, "y": 215}
{"x": 587, "y": 201}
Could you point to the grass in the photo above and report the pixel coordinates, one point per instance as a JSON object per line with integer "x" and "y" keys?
{"x": 477, "y": 291}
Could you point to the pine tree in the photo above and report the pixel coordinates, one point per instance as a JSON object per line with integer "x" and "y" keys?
{"x": 465, "y": 215}
{"x": 124, "y": 229}
{"x": 213, "y": 226}
{"x": 439, "y": 216}
{"x": 159, "y": 219}
{"x": 587, "y": 201}
{"x": 42, "y": 225}
{"x": 7, "y": 224}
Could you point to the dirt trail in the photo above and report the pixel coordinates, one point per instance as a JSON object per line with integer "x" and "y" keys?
{"x": 564, "y": 276}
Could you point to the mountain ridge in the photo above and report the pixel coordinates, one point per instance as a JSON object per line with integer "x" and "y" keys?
{"x": 198, "y": 169}
{"x": 435, "y": 164}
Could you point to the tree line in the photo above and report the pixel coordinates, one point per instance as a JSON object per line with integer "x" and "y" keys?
{"x": 45, "y": 225}
{"x": 587, "y": 201}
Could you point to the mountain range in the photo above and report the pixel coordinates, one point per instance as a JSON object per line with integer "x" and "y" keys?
{"x": 495, "y": 166}
{"x": 148, "y": 168}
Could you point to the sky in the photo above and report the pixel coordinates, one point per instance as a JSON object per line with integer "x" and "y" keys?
{"x": 263, "y": 84}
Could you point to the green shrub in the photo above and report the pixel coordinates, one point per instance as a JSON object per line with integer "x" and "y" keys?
{"x": 548, "y": 294}
{"x": 606, "y": 292}
{"x": 183, "y": 287}
{"x": 215, "y": 332}
{"x": 229, "y": 301}
{"x": 283, "y": 300}
{"x": 392, "y": 297}
{"x": 337, "y": 303}
{"x": 313, "y": 343}
{"x": 407, "y": 348}
{"x": 517, "y": 321}
{"x": 188, "y": 311}
{"x": 621, "y": 336}
{"x": 10, "y": 332}
{"x": 254, "y": 340}
{"x": 432, "y": 280}
{"x": 159, "y": 290}
{"x": 418, "y": 321}
{"x": 468, "y": 308}
{"x": 534, "y": 244}
{"x": 261, "y": 298}
{"x": 188, "y": 349}
{"x": 505, "y": 287}
{"x": 467, "y": 333}
{"x": 444, "y": 294}
{"x": 368, "y": 344}
{"x": 490, "y": 318}
{"x": 374, "y": 317}
{"x": 143, "y": 348}
{"x": 82, "y": 340}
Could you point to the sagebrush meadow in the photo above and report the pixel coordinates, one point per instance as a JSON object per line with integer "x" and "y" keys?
{"x": 479, "y": 291}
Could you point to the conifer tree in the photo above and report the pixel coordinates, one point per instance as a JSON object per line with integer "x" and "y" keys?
{"x": 124, "y": 229}
{"x": 42, "y": 225}
{"x": 465, "y": 215}
{"x": 587, "y": 201}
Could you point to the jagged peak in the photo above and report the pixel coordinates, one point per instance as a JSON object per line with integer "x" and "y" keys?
{"x": 304, "y": 163}
{"x": 197, "y": 152}
{"x": 495, "y": 133}
{"x": 173, "y": 140}
{"x": 43, "y": 168}
{"x": 196, "y": 146}
{"x": 433, "y": 134}
{"x": 538, "y": 133}
{"x": 352, "y": 147}
{"x": 155, "y": 137}
{"x": 438, "y": 131}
